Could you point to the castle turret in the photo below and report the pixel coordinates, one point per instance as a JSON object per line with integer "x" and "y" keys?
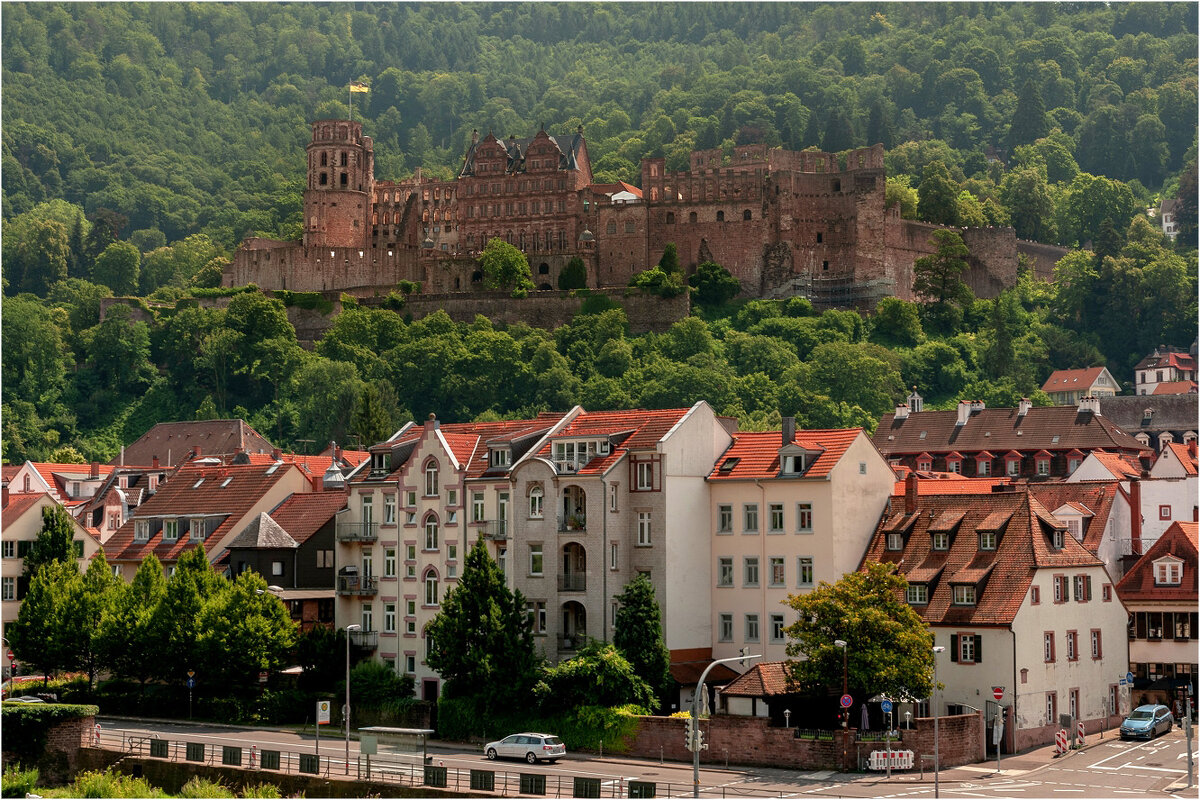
{"x": 341, "y": 177}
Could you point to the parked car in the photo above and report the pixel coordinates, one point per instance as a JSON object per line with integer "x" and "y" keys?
{"x": 533, "y": 747}
{"x": 1146, "y": 722}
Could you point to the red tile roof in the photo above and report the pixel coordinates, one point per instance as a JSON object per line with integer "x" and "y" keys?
{"x": 1179, "y": 540}
{"x": 1070, "y": 380}
{"x": 762, "y": 680}
{"x": 303, "y": 514}
{"x": 1051, "y": 428}
{"x": 1004, "y": 574}
{"x": 1176, "y": 387}
{"x": 18, "y": 504}
{"x": 1185, "y": 455}
{"x": 182, "y": 497}
{"x": 757, "y": 453}
{"x": 1121, "y": 466}
{"x": 644, "y": 430}
{"x": 1173, "y": 357}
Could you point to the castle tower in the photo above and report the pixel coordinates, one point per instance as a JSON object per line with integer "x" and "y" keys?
{"x": 341, "y": 177}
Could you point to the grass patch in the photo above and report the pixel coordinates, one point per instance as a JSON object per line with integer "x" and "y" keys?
{"x": 18, "y": 782}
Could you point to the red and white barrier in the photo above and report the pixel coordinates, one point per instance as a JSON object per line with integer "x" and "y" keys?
{"x": 253, "y": 752}
{"x": 1060, "y": 742}
{"x": 96, "y": 738}
{"x": 895, "y": 759}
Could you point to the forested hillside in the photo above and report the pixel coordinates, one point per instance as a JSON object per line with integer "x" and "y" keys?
{"x": 141, "y": 142}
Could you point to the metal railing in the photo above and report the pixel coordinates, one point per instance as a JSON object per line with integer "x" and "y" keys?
{"x": 572, "y": 582}
{"x": 368, "y": 640}
{"x": 356, "y": 585}
{"x": 496, "y": 529}
{"x": 357, "y": 531}
{"x": 572, "y": 523}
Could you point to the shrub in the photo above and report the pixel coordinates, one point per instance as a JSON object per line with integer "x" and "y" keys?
{"x": 313, "y": 301}
{"x": 268, "y": 791}
{"x": 111, "y": 784}
{"x": 409, "y": 287}
{"x": 203, "y": 787}
{"x": 374, "y": 685}
{"x": 597, "y": 304}
{"x": 393, "y": 302}
{"x": 18, "y": 782}
{"x": 574, "y": 275}
{"x": 714, "y": 284}
{"x": 656, "y": 282}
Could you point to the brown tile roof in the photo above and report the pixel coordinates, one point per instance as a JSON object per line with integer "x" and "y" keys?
{"x": 1176, "y": 387}
{"x": 1170, "y": 357}
{"x": 303, "y": 514}
{"x": 1096, "y": 496}
{"x": 757, "y": 453}
{"x": 1138, "y": 583}
{"x": 1070, "y": 380}
{"x": 185, "y": 495}
{"x": 263, "y": 532}
{"x": 1051, "y": 428}
{"x": 688, "y": 673}
{"x": 1004, "y": 574}
{"x": 1119, "y": 466}
{"x": 173, "y": 441}
{"x": 762, "y": 680}
{"x": 468, "y": 441}
{"x": 1177, "y": 412}
{"x": 1185, "y": 455}
{"x": 642, "y": 430}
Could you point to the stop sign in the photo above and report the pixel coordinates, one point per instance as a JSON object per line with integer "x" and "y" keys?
{"x": 998, "y": 692}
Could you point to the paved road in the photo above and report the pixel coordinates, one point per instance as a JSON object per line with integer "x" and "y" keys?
{"x": 1106, "y": 768}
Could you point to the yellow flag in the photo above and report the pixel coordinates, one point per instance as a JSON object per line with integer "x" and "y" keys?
{"x": 359, "y": 87}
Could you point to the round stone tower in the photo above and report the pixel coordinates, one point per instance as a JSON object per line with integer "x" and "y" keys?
{"x": 341, "y": 177}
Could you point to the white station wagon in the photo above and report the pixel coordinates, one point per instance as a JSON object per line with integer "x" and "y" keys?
{"x": 533, "y": 747}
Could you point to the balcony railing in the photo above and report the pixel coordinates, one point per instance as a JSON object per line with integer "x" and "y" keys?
{"x": 357, "y": 531}
{"x": 572, "y": 582}
{"x": 366, "y": 640}
{"x": 496, "y": 529}
{"x": 572, "y": 523}
{"x": 355, "y": 585}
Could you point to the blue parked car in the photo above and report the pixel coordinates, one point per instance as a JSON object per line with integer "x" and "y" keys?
{"x": 1146, "y": 722}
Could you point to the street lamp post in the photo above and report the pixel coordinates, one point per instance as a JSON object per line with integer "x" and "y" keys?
{"x": 845, "y": 712}
{"x": 349, "y": 628}
{"x": 696, "y": 717}
{"x": 936, "y": 760}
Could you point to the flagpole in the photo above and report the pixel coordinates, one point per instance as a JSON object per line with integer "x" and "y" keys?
{"x": 350, "y": 91}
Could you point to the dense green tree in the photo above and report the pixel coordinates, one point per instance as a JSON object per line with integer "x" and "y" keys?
{"x": 638, "y": 635}
{"x": 599, "y": 675}
{"x": 118, "y": 351}
{"x": 573, "y": 275}
{"x": 481, "y": 640}
{"x": 129, "y": 642}
{"x": 670, "y": 258}
{"x": 87, "y": 602}
{"x": 1026, "y": 195}
{"x": 118, "y": 268}
{"x": 1029, "y": 117}
{"x": 36, "y": 358}
{"x": 374, "y": 418}
{"x": 36, "y": 256}
{"x": 55, "y": 542}
{"x": 867, "y": 376}
{"x": 177, "y": 618}
{"x": 1088, "y": 201}
{"x": 937, "y": 196}
{"x": 39, "y": 637}
{"x": 504, "y": 267}
{"x": 937, "y": 278}
{"x": 243, "y": 630}
{"x": 896, "y": 324}
{"x": 1185, "y": 210}
{"x": 891, "y": 648}
{"x": 714, "y": 284}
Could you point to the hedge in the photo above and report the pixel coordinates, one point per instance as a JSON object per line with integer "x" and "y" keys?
{"x": 26, "y": 725}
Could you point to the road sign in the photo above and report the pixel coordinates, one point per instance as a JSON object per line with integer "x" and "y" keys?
{"x": 322, "y": 712}
{"x": 191, "y": 683}
{"x": 10, "y": 655}
{"x": 886, "y": 706}
{"x": 998, "y": 692}
{"x": 191, "y": 673}
{"x": 1122, "y": 681}
{"x": 847, "y": 701}
{"x": 1129, "y": 678}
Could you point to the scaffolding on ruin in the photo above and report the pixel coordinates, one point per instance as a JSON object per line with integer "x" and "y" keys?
{"x": 837, "y": 292}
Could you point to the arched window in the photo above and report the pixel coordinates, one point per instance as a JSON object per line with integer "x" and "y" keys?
{"x": 536, "y": 502}
{"x": 692, "y": 217}
{"x": 746, "y": 214}
{"x": 431, "y": 533}
{"x": 543, "y": 268}
{"x": 670, "y": 218}
{"x": 611, "y": 227}
{"x": 431, "y": 588}
{"x": 431, "y": 478}
{"x": 720, "y": 216}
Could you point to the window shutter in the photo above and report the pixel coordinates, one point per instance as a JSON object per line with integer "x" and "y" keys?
{"x": 954, "y": 647}
{"x": 978, "y": 648}
{"x": 1087, "y": 582}
{"x": 1066, "y": 589}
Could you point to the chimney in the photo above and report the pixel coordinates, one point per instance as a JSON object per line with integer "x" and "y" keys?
{"x": 1135, "y": 515}
{"x": 1023, "y": 406}
{"x": 337, "y": 453}
{"x": 976, "y": 406}
{"x": 1191, "y": 447}
{"x": 910, "y": 493}
{"x": 1089, "y": 404}
{"x": 318, "y": 483}
{"x": 964, "y": 412}
{"x": 901, "y": 411}
{"x": 4, "y": 495}
{"x": 95, "y": 472}
{"x": 276, "y": 454}
{"x": 195, "y": 452}
{"x": 154, "y": 462}
{"x": 789, "y": 430}
{"x": 432, "y": 422}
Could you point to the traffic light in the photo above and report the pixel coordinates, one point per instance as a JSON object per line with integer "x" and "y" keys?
{"x": 745, "y": 651}
{"x": 690, "y": 736}
{"x": 700, "y": 745}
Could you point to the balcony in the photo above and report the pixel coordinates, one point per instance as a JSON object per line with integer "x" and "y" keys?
{"x": 353, "y": 585}
{"x": 496, "y": 529}
{"x": 357, "y": 531}
{"x": 572, "y": 523}
{"x": 572, "y": 582}
{"x": 365, "y": 640}
{"x": 572, "y": 642}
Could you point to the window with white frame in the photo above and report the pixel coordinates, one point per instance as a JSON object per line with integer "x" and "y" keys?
{"x": 776, "y": 628}
{"x": 775, "y": 518}
{"x": 431, "y": 479}
{"x": 410, "y": 518}
{"x": 1014, "y": 467}
{"x": 724, "y": 627}
{"x": 612, "y": 497}
{"x": 645, "y": 476}
{"x": 410, "y": 617}
{"x": 536, "y": 609}
{"x": 431, "y": 533}
{"x": 452, "y": 497}
{"x": 141, "y": 530}
{"x": 501, "y": 457}
{"x": 170, "y": 530}
{"x": 940, "y": 540}
{"x": 476, "y": 506}
{"x": 410, "y": 499}
{"x": 1096, "y": 649}
{"x": 535, "y": 559}
{"x": 895, "y": 541}
{"x": 643, "y": 528}
{"x": 389, "y": 617}
{"x": 966, "y": 648}
{"x": 1051, "y": 708}
{"x": 964, "y": 594}
{"x": 804, "y": 569}
{"x": 752, "y": 627}
{"x": 725, "y": 518}
{"x": 917, "y": 594}
{"x": 804, "y": 517}
{"x": 431, "y": 588}
{"x": 366, "y": 617}
{"x": 536, "y": 502}
{"x": 196, "y": 529}
{"x": 1043, "y": 467}
{"x": 1083, "y": 588}
{"x": 750, "y": 571}
{"x": 776, "y": 571}
{"x": 276, "y": 568}
{"x": 389, "y": 509}
{"x": 9, "y": 591}
{"x": 750, "y": 517}
{"x": 368, "y": 510}
{"x": 725, "y": 571}
{"x": 1168, "y": 572}
{"x": 389, "y": 562}
{"x": 8, "y": 549}
{"x": 1048, "y": 646}
{"x": 987, "y": 540}
{"x": 410, "y": 664}
{"x": 953, "y": 465}
{"x": 613, "y": 555}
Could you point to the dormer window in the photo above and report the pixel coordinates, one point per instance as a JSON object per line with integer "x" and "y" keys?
{"x": 954, "y": 463}
{"x": 1168, "y": 572}
{"x": 170, "y": 530}
{"x": 727, "y": 465}
{"x": 793, "y": 465}
{"x": 1056, "y": 539}
{"x": 964, "y": 594}
{"x": 196, "y": 529}
{"x": 895, "y": 541}
{"x": 917, "y": 594}
{"x": 380, "y": 462}
{"x": 925, "y": 462}
{"x": 141, "y": 530}
{"x": 940, "y": 540}
{"x": 501, "y": 457}
{"x": 987, "y": 540}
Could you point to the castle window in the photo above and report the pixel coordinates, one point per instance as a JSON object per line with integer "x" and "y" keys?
{"x": 324, "y": 159}
{"x": 837, "y": 185}
{"x": 343, "y": 179}
{"x": 746, "y": 214}
{"x": 692, "y": 217}
{"x": 324, "y": 179}
{"x": 820, "y": 237}
{"x": 345, "y": 160}
{"x": 630, "y": 227}
{"x": 720, "y": 216}
{"x": 670, "y": 218}
{"x": 543, "y": 268}
{"x": 611, "y": 227}
{"x": 825, "y": 265}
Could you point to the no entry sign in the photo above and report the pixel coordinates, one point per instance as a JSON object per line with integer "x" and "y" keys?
{"x": 998, "y": 692}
